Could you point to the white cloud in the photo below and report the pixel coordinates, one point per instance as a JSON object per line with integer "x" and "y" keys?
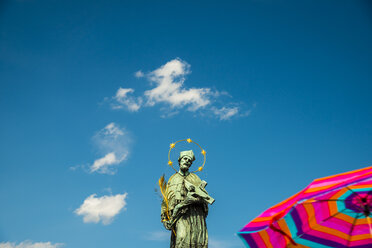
{"x": 123, "y": 99}
{"x": 218, "y": 243}
{"x": 170, "y": 92}
{"x": 102, "y": 164}
{"x": 101, "y": 209}
{"x": 139, "y": 74}
{"x": 158, "y": 236}
{"x": 169, "y": 79}
{"x": 30, "y": 244}
{"x": 113, "y": 129}
{"x": 225, "y": 113}
{"x": 113, "y": 142}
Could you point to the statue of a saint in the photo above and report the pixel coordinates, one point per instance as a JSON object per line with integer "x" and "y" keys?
{"x": 187, "y": 206}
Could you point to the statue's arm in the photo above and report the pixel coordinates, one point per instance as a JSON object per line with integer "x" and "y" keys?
{"x": 164, "y": 217}
{"x": 206, "y": 209}
{"x": 163, "y": 214}
{"x": 180, "y": 209}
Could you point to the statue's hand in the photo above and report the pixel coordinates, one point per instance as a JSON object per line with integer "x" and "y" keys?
{"x": 190, "y": 198}
{"x": 176, "y": 210}
{"x": 167, "y": 224}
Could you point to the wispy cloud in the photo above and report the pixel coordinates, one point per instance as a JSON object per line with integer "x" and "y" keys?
{"x": 124, "y": 99}
{"x": 225, "y": 113}
{"x": 113, "y": 142}
{"x": 158, "y": 236}
{"x": 219, "y": 243}
{"x": 139, "y": 74}
{"x": 171, "y": 93}
{"x": 101, "y": 209}
{"x": 30, "y": 244}
{"x": 103, "y": 164}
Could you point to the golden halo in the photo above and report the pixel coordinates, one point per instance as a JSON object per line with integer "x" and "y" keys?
{"x": 173, "y": 145}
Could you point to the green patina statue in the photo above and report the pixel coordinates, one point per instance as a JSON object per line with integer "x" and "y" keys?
{"x": 185, "y": 206}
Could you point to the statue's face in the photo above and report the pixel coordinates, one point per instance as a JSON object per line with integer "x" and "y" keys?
{"x": 185, "y": 163}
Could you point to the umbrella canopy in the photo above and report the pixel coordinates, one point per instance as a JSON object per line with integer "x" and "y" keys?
{"x": 333, "y": 211}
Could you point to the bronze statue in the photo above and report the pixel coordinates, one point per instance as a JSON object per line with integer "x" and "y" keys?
{"x": 185, "y": 206}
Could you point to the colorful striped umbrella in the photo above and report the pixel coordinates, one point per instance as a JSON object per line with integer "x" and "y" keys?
{"x": 334, "y": 211}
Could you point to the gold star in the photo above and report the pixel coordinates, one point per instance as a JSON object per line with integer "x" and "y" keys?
{"x": 189, "y": 140}
{"x": 172, "y": 145}
{"x": 204, "y": 152}
{"x": 170, "y": 162}
{"x": 200, "y": 168}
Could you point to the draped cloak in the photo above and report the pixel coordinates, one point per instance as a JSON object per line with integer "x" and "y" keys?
{"x": 190, "y": 228}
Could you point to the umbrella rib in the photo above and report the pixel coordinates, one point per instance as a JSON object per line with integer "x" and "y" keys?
{"x": 369, "y": 225}
{"x": 354, "y": 221}
{"x": 299, "y": 236}
{"x": 328, "y": 200}
{"x": 325, "y": 200}
{"x": 331, "y": 216}
{"x": 322, "y": 200}
{"x": 353, "y": 191}
{"x": 352, "y": 228}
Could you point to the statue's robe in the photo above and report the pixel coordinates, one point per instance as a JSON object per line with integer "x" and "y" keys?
{"x": 190, "y": 228}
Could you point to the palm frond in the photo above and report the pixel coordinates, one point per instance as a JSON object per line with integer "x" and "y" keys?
{"x": 163, "y": 188}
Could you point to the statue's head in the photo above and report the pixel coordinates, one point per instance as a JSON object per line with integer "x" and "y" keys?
{"x": 185, "y": 159}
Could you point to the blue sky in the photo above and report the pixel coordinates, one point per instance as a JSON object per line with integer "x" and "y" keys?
{"x": 93, "y": 92}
